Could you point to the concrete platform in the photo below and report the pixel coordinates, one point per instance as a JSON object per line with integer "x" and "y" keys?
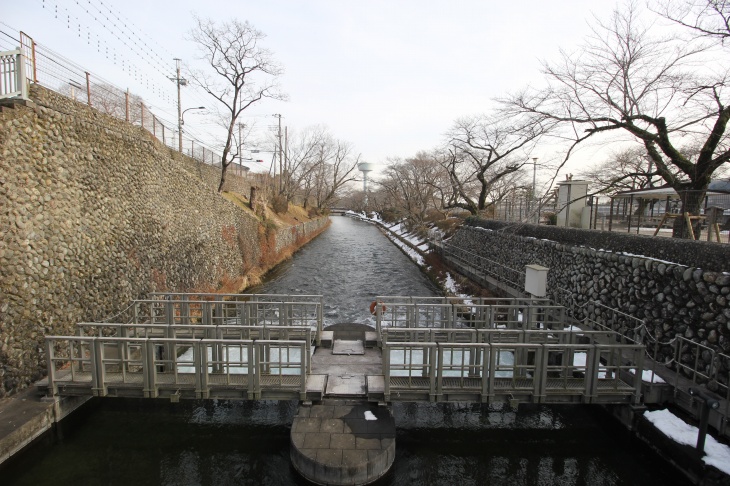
{"x": 348, "y": 347}
{"x": 27, "y": 415}
{"x": 341, "y": 443}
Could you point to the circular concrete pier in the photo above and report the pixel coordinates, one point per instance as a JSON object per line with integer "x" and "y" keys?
{"x": 343, "y": 443}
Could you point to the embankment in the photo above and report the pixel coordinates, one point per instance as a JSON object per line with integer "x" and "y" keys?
{"x": 95, "y": 212}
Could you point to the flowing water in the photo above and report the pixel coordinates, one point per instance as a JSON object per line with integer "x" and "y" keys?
{"x": 154, "y": 442}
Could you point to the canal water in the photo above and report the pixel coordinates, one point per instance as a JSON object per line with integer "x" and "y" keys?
{"x": 154, "y": 442}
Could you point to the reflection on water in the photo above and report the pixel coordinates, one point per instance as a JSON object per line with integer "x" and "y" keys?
{"x": 154, "y": 442}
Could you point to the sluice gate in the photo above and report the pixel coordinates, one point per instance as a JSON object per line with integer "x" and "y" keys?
{"x": 418, "y": 349}
{"x": 273, "y": 347}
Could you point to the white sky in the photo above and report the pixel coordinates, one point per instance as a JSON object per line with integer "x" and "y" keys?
{"x": 388, "y": 76}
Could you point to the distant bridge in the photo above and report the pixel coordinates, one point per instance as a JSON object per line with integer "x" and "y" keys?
{"x": 253, "y": 347}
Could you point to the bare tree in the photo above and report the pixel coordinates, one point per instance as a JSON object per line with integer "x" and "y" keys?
{"x": 630, "y": 168}
{"x": 625, "y": 80}
{"x": 301, "y": 159}
{"x": 704, "y": 18}
{"x": 481, "y": 151}
{"x": 337, "y": 168}
{"x": 244, "y": 73}
{"x": 316, "y": 167}
{"x": 413, "y": 187}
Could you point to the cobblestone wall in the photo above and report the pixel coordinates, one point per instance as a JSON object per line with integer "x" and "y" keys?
{"x": 671, "y": 299}
{"x": 94, "y": 213}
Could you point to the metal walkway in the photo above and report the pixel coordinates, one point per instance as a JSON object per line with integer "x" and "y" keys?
{"x": 275, "y": 347}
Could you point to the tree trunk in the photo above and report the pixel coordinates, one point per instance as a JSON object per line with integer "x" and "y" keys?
{"x": 691, "y": 202}
{"x": 223, "y": 177}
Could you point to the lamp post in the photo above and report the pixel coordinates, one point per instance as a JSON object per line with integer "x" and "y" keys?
{"x": 534, "y": 179}
{"x": 181, "y": 122}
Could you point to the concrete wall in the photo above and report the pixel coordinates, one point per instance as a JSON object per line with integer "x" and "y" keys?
{"x": 94, "y": 212}
{"x": 688, "y": 299}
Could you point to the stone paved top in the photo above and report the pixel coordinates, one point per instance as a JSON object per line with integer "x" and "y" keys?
{"x": 340, "y": 435}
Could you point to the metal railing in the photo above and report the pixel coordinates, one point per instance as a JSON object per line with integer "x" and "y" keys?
{"x": 260, "y": 310}
{"x": 481, "y": 265}
{"x": 200, "y": 331}
{"x": 539, "y": 373}
{"x": 197, "y": 368}
{"x": 423, "y": 312}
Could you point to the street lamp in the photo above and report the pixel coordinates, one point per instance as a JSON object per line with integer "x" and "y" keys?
{"x": 181, "y": 122}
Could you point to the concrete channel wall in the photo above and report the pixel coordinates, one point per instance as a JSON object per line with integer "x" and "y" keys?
{"x": 686, "y": 298}
{"x": 95, "y": 212}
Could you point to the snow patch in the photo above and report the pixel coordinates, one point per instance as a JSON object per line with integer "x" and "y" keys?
{"x": 648, "y": 377}
{"x": 370, "y": 416}
{"x": 716, "y": 454}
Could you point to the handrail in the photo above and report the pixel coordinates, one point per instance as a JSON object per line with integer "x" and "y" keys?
{"x": 195, "y": 365}
{"x": 489, "y": 368}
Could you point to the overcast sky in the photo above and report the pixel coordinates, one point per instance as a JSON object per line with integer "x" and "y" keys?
{"x": 388, "y": 76}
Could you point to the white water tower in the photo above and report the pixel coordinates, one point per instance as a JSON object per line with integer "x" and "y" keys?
{"x": 365, "y": 168}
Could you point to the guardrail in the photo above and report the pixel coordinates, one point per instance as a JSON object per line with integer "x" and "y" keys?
{"x": 400, "y": 312}
{"x": 265, "y": 310}
{"x": 200, "y": 331}
{"x": 175, "y": 367}
{"x": 538, "y": 373}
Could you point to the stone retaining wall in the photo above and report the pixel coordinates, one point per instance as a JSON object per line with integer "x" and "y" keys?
{"x": 95, "y": 212}
{"x": 671, "y": 299}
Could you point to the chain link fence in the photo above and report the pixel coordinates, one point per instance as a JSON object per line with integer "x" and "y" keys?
{"x": 51, "y": 70}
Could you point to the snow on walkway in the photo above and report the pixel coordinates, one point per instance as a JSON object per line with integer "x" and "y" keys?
{"x": 679, "y": 431}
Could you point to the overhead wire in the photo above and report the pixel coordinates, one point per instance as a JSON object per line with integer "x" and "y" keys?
{"x": 109, "y": 51}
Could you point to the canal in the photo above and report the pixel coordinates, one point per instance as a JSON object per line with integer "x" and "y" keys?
{"x": 155, "y": 442}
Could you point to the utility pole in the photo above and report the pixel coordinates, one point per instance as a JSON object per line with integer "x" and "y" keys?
{"x": 280, "y": 151}
{"x": 180, "y": 82}
{"x": 286, "y": 150}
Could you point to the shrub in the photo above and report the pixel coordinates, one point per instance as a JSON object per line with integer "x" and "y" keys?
{"x": 279, "y": 204}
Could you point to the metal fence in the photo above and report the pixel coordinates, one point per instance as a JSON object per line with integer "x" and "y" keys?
{"x": 653, "y": 213}
{"x": 26, "y": 61}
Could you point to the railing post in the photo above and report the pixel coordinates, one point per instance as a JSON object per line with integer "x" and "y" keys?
{"x": 200, "y": 360}
{"x": 126, "y": 105}
{"x": 303, "y": 369}
{"x": 97, "y": 367}
{"x": 150, "y": 375}
{"x": 708, "y": 403}
{"x": 435, "y": 352}
{"x": 386, "y": 370}
{"x": 251, "y": 367}
{"x": 593, "y": 368}
{"x": 88, "y": 88}
{"x": 52, "y": 386}
{"x": 320, "y": 325}
{"x": 21, "y": 79}
{"x": 257, "y": 375}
